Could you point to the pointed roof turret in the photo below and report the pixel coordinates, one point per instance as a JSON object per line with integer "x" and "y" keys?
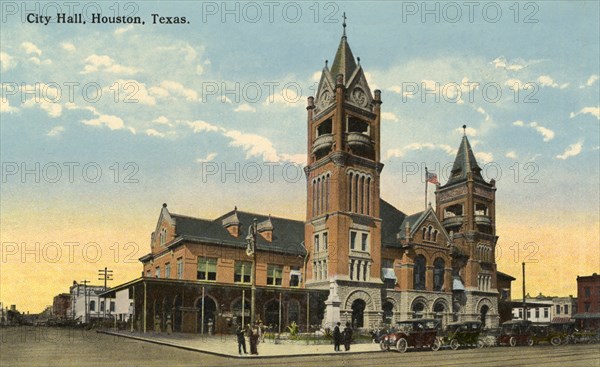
{"x": 344, "y": 62}
{"x": 464, "y": 163}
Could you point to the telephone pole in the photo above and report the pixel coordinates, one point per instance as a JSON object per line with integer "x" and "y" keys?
{"x": 85, "y": 297}
{"x": 106, "y": 275}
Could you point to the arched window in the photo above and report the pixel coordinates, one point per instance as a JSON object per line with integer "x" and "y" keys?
{"x": 435, "y": 233}
{"x": 355, "y": 209}
{"x": 417, "y": 309}
{"x": 388, "y": 312}
{"x": 438, "y": 274}
{"x": 369, "y": 196}
{"x": 419, "y": 273}
{"x": 327, "y": 194}
{"x": 350, "y": 177}
{"x": 314, "y": 196}
{"x": 322, "y": 205}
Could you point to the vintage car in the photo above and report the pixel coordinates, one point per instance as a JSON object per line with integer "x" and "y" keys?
{"x": 555, "y": 334}
{"x": 515, "y": 332}
{"x": 416, "y": 333}
{"x": 460, "y": 334}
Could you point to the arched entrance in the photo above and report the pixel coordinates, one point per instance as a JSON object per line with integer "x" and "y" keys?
{"x": 206, "y": 324}
{"x": 388, "y": 312}
{"x": 237, "y": 311}
{"x": 358, "y": 313}
{"x": 483, "y": 312}
{"x": 418, "y": 308}
{"x": 177, "y": 318}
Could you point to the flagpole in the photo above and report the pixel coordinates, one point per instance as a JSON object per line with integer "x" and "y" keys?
{"x": 426, "y": 174}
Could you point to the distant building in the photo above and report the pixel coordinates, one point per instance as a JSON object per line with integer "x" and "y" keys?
{"x": 87, "y": 304}
{"x": 60, "y": 305}
{"x": 545, "y": 309}
{"x": 588, "y": 301}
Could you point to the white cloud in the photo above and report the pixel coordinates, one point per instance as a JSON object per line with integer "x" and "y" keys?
{"x": 6, "y": 61}
{"x": 594, "y": 111}
{"x": 470, "y": 132}
{"x": 512, "y": 154}
{"x": 571, "y": 151}
{"x": 200, "y": 126}
{"x": 591, "y": 80}
{"x": 131, "y": 91}
{"x": 254, "y": 145}
{"x": 68, "y": 46}
{"x": 171, "y": 88}
{"x": 514, "y": 84}
{"x": 122, "y": 30}
{"x": 286, "y": 97}
{"x": 389, "y": 116}
{"x": 54, "y": 110}
{"x": 245, "y": 107}
{"x": 110, "y": 121}
{"x": 31, "y": 48}
{"x": 37, "y": 61}
{"x": 502, "y": 63}
{"x": 209, "y": 157}
{"x": 56, "y": 131}
{"x": 484, "y": 157}
{"x": 105, "y": 63}
{"x": 162, "y": 120}
{"x": 5, "y": 106}
{"x": 153, "y": 132}
{"x": 543, "y": 131}
{"x": 547, "y": 81}
{"x": 400, "y": 152}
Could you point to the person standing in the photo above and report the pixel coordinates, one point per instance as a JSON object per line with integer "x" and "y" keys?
{"x": 241, "y": 339}
{"x": 347, "y": 336}
{"x": 337, "y": 337}
{"x": 253, "y": 336}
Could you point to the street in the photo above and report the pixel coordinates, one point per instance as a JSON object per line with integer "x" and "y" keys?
{"x": 30, "y": 346}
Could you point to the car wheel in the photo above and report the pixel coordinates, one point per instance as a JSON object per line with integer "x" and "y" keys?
{"x": 513, "y": 341}
{"x": 530, "y": 342}
{"x": 555, "y": 341}
{"x": 480, "y": 344}
{"x": 401, "y": 345}
{"x": 436, "y": 345}
{"x": 382, "y": 345}
{"x": 454, "y": 344}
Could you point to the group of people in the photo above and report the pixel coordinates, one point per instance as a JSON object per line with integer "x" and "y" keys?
{"x": 342, "y": 337}
{"x": 255, "y": 336}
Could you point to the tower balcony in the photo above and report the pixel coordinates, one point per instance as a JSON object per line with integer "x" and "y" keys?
{"x": 359, "y": 141}
{"x": 483, "y": 220}
{"x": 453, "y": 221}
{"x": 323, "y": 142}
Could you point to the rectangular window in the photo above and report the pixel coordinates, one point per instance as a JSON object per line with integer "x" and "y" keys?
{"x": 101, "y": 305}
{"x": 207, "y": 269}
{"x": 274, "y": 274}
{"x": 546, "y": 312}
{"x": 316, "y": 243}
{"x": 528, "y": 314}
{"x": 112, "y": 306}
{"x": 352, "y": 240}
{"x": 586, "y": 307}
{"x": 158, "y": 271}
{"x": 537, "y": 313}
{"x": 168, "y": 270}
{"x": 566, "y": 309}
{"x": 558, "y": 309}
{"x": 243, "y": 272}
{"x": 180, "y": 268}
{"x": 295, "y": 276}
{"x": 587, "y": 291}
{"x": 364, "y": 245}
{"x": 148, "y": 273}
{"x": 92, "y": 305}
{"x": 325, "y": 238}
{"x": 520, "y": 313}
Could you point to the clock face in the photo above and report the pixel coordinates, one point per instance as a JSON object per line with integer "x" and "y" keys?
{"x": 359, "y": 97}
{"x": 325, "y": 99}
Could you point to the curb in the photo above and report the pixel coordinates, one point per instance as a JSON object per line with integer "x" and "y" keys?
{"x": 192, "y": 349}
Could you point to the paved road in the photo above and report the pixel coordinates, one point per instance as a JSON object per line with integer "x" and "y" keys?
{"x": 59, "y": 347}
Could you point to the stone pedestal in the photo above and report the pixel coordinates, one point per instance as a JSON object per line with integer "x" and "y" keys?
{"x": 332, "y": 307}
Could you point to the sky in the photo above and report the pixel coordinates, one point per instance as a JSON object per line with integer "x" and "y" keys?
{"x": 100, "y": 124}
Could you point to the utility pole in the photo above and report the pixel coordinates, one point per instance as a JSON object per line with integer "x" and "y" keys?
{"x": 106, "y": 275}
{"x": 251, "y": 251}
{"x": 524, "y": 300}
{"x": 85, "y": 302}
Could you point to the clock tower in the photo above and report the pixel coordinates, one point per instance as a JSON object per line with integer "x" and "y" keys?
{"x": 343, "y": 225}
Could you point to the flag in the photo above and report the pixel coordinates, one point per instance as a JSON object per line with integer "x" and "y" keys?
{"x": 432, "y": 178}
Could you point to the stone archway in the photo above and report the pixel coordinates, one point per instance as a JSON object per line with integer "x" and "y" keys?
{"x": 358, "y": 313}
{"x": 418, "y": 307}
{"x": 485, "y": 309}
{"x": 359, "y": 308}
{"x": 177, "y": 313}
{"x": 206, "y": 322}
{"x": 388, "y": 307}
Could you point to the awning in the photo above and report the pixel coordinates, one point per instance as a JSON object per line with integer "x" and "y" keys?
{"x": 457, "y": 284}
{"x": 587, "y": 316}
{"x": 561, "y": 320}
{"x": 388, "y": 273}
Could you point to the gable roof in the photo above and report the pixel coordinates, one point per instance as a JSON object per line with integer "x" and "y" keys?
{"x": 392, "y": 219}
{"x": 288, "y": 234}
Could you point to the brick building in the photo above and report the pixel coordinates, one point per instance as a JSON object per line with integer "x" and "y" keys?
{"x": 588, "y": 301}
{"x": 60, "y": 305}
{"x": 355, "y": 258}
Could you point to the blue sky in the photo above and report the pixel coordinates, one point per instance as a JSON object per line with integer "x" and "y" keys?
{"x": 547, "y": 149}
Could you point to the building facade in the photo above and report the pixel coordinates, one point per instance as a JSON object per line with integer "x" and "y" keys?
{"x": 355, "y": 258}
{"x": 60, "y": 305}
{"x": 588, "y": 301}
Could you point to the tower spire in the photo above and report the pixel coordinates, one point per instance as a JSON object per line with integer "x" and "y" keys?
{"x": 464, "y": 130}
{"x": 344, "y": 24}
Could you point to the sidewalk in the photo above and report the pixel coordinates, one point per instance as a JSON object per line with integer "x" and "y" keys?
{"x": 226, "y": 345}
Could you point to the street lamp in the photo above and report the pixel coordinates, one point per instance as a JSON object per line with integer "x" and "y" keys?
{"x": 251, "y": 251}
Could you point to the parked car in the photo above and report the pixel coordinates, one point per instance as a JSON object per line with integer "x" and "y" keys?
{"x": 555, "y": 334}
{"x": 417, "y": 333}
{"x": 516, "y": 332}
{"x": 460, "y": 334}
